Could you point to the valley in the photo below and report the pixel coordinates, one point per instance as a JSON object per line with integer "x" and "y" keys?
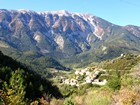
{"x": 67, "y": 58}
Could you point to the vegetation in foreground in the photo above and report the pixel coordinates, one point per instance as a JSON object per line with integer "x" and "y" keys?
{"x": 19, "y": 83}
{"x": 19, "y": 86}
{"x": 122, "y": 88}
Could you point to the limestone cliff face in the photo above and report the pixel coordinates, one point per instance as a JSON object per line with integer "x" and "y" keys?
{"x": 61, "y": 32}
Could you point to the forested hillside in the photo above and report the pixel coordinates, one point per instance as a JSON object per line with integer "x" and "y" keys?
{"x": 20, "y": 86}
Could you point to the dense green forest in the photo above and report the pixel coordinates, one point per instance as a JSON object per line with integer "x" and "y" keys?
{"x": 35, "y": 61}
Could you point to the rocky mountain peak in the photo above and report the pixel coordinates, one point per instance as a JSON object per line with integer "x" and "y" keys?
{"x": 60, "y": 32}
{"x": 59, "y": 13}
{"x": 25, "y": 11}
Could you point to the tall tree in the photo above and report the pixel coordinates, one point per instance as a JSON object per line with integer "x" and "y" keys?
{"x": 16, "y": 88}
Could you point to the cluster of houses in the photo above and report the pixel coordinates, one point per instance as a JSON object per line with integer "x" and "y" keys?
{"x": 85, "y": 76}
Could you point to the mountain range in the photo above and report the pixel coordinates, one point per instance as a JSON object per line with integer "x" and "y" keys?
{"x": 70, "y": 38}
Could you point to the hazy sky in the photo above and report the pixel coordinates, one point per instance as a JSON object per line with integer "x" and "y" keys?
{"x": 121, "y": 12}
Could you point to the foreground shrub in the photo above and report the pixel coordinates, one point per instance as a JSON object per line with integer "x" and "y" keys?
{"x": 115, "y": 80}
{"x": 56, "y": 102}
{"x": 126, "y": 97}
{"x": 67, "y": 90}
{"x": 100, "y": 97}
{"x": 69, "y": 101}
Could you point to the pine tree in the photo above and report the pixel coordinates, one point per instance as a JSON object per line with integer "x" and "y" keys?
{"x": 15, "y": 89}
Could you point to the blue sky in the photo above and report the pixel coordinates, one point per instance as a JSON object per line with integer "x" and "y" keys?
{"x": 121, "y": 12}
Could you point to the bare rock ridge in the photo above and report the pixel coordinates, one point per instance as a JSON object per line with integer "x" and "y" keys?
{"x": 62, "y": 34}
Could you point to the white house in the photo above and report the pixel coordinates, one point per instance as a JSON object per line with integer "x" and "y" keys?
{"x": 99, "y": 83}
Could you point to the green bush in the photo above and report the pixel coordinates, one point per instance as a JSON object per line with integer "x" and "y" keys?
{"x": 67, "y": 90}
{"x": 16, "y": 89}
{"x": 83, "y": 88}
{"x": 115, "y": 80}
{"x": 69, "y": 101}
